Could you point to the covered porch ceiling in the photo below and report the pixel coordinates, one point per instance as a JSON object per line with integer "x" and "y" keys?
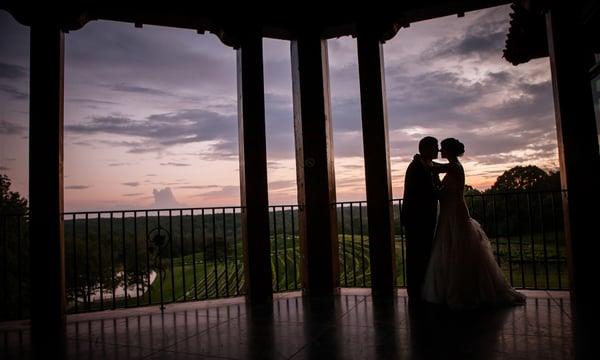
{"x": 526, "y": 39}
{"x": 228, "y": 22}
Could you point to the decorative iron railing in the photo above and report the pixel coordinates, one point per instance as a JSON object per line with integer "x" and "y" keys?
{"x": 154, "y": 257}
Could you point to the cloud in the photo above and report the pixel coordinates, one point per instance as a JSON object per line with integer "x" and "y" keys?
{"x": 222, "y": 150}
{"x": 77, "y": 187}
{"x": 481, "y": 40}
{"x": 174, "y": 164}
{"x": 13, "y": 92}
{"x": 118, "y": 164}
{"x": 168, "y": 58}
{"x": 139, "y": 89}
{"x": 282, "y": 185}
{"x": 177, "y": 88}
{"x": 159, "y": 131}
{"x": 431, "y": 98}
{"x": 501, "y": 112}
{"x": 13, "y": 72}
{"x": 89, "y": 101}
{"x": 200, "y": 187}
{"x": 132, "y": 183}
{"x": 133, "y": 194}
{"x": 14, "y": 46}
{"x": 225, "y": 196}
{"x": 164, "y": 198}
{"x": 82, "y": 143}
{"x": 277, "y": 165}
{"x": 10, "y": 128}
{"x": 353, "y": 166}
{"x": 279, "y": 127}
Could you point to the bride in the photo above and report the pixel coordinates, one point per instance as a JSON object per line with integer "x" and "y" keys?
{"x": 462, "y": 271}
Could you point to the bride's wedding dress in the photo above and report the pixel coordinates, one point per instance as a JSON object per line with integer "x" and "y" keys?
{"x": 462, "y": 271}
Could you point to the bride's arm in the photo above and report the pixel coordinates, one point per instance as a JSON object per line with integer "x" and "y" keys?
{"x": 439, "y": 168}
{"x": 451, "y": 172}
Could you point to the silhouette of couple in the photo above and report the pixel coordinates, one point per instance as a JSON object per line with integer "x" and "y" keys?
{"x": 449, "y": 257}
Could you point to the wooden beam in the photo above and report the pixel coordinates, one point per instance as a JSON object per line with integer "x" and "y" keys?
{"x": 314, "y": 166}
{"x": 377, "y": 164}
{"x": 579, "y": 157}
{"x": 48, "y": 296}
{"x": 253, "y": 169}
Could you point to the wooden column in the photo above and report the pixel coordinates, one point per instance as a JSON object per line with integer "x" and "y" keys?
{"x": 48, "y": 297}
{"x": 579, "y": 162}
{"x": 377, "y": 164}
{"x": 314, "y": 166}
{"x": 253, "y": 169}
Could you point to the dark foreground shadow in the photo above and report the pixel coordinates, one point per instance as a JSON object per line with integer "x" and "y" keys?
{"x": 439, "y": 333}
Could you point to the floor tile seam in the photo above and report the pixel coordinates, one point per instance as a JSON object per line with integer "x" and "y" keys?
{"x": 141, "y": 308}
{"x": 188, "y": 353}
{"x": 562, "y": 306}
{"x": 196, "y": 333}
{"x": 364, "y": 299}
{"x": 336, "y": 323}
{"x": 325, "y": 328}
{"x": 134, "y": 318}
{"x": 520, "y": 334}
{"x": 199, "y": 333}
{"x": 138, "y": 347}
{"x": 112, "y": 326}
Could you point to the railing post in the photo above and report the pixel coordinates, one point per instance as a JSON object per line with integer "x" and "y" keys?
{"x": 48, "y": 299}
{"x": 377, "y": 163}
{"x": 570, "y": 62}
{"x": 253, "y": 168}
{"x": 314, "y": 166}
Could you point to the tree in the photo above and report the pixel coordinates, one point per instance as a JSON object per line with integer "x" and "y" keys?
{"x": 14, "y": 262}
{"x": 553, "y": 181}
{"x": 522, "y": 197}
{"x": 522, "y": 178}
{"x": 11, "y": 202}
{"x": 469, "y": 190}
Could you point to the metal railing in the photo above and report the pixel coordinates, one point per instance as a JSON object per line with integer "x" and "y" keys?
{"x": 285, "y": 247}
{"x": 155, "y": 257}
{"x": 144, "y": 257}
{"x": 527, "y": 234}
{"x": 353, "y": 239}
{"x": 525, "y": 230}
{"x": 14, "y": 266}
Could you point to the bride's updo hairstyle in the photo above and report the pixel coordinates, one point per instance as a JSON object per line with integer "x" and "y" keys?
{"x": 453, "y": 146}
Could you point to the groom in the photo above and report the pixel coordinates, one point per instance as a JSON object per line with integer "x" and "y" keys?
{"x": 419, "y": 214}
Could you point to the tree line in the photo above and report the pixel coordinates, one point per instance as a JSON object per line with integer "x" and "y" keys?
{"x": 96, "y": 249}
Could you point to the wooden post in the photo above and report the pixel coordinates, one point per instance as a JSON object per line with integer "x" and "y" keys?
{"x": 253, "y": 169}
{"x": 377, "y": 164}
{"x": 314, "y": 166}
{"x": 579, "y": 162}
{"x": 48, "y": 296}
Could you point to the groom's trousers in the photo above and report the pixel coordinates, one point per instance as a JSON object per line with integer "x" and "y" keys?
{"x": 419, "y": 244}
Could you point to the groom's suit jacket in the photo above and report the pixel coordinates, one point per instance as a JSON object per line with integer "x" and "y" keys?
{"x": 419, "y": 216}
{"x": 420, "y": 195}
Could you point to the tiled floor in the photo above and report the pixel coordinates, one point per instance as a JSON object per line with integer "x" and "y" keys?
{"x": 350, "y": 326}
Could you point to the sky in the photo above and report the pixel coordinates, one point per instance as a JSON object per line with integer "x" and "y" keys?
{"x": 151, "y": 113}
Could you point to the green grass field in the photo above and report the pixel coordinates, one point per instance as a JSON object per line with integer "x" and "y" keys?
{"x": 192, "y": 278}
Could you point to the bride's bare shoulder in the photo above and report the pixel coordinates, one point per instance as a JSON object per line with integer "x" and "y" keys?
{"x": 455, "y": 167}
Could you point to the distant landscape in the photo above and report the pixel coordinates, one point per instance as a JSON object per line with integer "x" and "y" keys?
{"x": 200, "y": 256}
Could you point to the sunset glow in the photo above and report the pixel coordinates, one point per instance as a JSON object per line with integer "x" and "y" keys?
{"x": 151, "y": 113}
